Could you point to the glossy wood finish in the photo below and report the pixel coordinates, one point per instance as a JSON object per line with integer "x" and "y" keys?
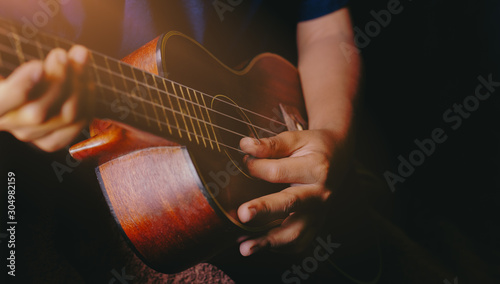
{"x": 145, "y": 57}
{"x": 157, "y": 200}
{"x": 177, "y": 205}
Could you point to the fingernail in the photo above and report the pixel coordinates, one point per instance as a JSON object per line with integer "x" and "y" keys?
{"x": 79, "y": 54}
{"x": 253, "y": 249}
{"x": 251, "y": 214}
{"x": 247, "y": 141}
{"x": 255, "y": 141}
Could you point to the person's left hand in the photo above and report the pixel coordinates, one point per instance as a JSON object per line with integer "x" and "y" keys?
{"x": 302, "y": 159}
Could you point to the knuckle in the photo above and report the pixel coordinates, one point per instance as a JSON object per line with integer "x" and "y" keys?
{"x": 276, "y": 173}
{"x": 292, "y": 136}
{"x": 272, "y": 144}
{"x": 321, "y": 169}
{"x": 35, "y": 116}
{"x": 292, "y": 202}
{"x": 263, "y": 206}
{"x": 274, "y": 242}
{"x": 69, "y": 117}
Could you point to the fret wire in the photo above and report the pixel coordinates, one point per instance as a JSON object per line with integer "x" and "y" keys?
{"x": 112, "y": 81}
{"x": 9, "y": 51}
{"x": 126, "y": 87}
{"x": 139, "y": 90}
{"x": 93, "y": 64}
{"x": 56, "y": 42}
{"x": 151, "y": 97}
{"x": 180, "y": 108}
{"x": 114, "y": 89}
{"x": 168, "y": 94}
{"x": 189, "y": 115}
{"x": 170, "y": 101}
{"x": 232, "y": 105}
{"x": 41, "y": 55}
{"x": 187, "y": 131}
{"x": 201, "y": 93}
{"x": 9, "y": 66}
{"x": 163, "y": 108}
{"x": 62, "y": 40}
{"x": 203, "y": 119}
{"x": 16, "y": 42}
{"x": 55, "y": 38}
{"x": 210, "y": 120}
{"x": 199, "y": 125}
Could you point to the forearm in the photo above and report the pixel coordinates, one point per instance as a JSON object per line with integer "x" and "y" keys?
{"x": 329, "y": 78}
{"x": 304, "y": 158}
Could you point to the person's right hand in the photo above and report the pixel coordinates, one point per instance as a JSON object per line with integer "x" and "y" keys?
{"x": 42, "y": 102}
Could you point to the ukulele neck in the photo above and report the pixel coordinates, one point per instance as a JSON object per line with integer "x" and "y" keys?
{"x": 123, "y": 93}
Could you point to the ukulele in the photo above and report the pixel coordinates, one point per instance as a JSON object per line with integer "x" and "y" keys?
{"x": 169, "y": 118}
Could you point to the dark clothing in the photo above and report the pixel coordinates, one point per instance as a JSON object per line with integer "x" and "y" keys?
{"x": 233, "y": 30}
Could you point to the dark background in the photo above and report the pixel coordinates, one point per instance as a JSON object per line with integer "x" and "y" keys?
{"x": 427, "y": 59}
{"x": 440, "y": 224}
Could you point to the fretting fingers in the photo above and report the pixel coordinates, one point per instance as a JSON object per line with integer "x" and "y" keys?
{"x": 52, "y": 109}
{"x": 37, "y": 111}
{"x": 15, "y": 90}
{"x": 67, "y": 117}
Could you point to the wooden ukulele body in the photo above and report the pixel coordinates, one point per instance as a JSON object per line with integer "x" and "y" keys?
{"x": 177, "y": 204}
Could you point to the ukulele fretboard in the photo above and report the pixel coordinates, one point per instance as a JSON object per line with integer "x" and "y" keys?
{"x": 130, "y": 95}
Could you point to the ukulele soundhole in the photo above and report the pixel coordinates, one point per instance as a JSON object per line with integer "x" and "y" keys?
{"x": 228, "y": 179}
{"x": 233, "y": 124}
